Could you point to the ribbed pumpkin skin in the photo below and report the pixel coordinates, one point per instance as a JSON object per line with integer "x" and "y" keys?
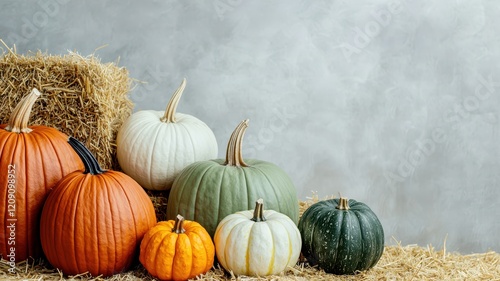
{"x": 40, "y": 158}
{"x": 167, "y": 255}
{"x": 341, "y": 241}
{"x": 251, "y": 248}
{"x": 154, "y": 153}
{"x": 208, "y": 191}
{"x": 95, "y": 223}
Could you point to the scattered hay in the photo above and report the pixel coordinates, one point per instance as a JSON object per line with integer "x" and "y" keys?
{"x": 398, "y": 262}
{"x": 80, "y": 96}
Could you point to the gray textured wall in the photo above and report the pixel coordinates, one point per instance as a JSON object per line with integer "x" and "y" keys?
{"x": 393, "y": 103}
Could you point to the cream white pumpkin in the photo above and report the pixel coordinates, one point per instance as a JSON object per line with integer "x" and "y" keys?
{"x": 154, "y": 146}
{"x": 257, "y": 243}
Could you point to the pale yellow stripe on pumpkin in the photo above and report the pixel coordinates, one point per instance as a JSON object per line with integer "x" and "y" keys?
{"x": 295, "y": 243}
{"x": 271, "y": 266}
{"x": 183, "y": 259}
{"x": 281, "y": 243}
{"x": 261, "y": 249}
{"x": 222, "y": 235}
{"x": 247, "y": 256}
{"x": 237, "y": 240}
{"x": 293, "y": 236}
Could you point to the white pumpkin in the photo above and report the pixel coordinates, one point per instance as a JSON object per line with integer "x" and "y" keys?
{"x": 257, "y": 243}
{"x": 154, "y": 146}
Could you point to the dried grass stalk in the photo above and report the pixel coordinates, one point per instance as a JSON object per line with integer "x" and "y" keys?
{"x": 81, "y": 96}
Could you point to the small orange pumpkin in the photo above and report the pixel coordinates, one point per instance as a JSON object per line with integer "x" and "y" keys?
{"x": 177, "y": 250}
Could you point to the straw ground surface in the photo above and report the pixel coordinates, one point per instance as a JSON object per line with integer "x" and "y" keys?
{"x": 410, "y": 262}
{"x": 81, "y": 96}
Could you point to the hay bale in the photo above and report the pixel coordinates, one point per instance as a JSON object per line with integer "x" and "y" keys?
{"x": 81, "y": 96}
{"x": 160, "y": 200}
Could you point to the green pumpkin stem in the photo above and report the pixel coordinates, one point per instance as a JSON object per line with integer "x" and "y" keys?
{"x": 234, "y": 156}
{"x": 178, "y": 226}
{"x": 18, "y": 122}
{"x": 343, "y": 204}
{"x": 258, "y": 213}
{"x": 88, "y": 159}
{"x": 169, "y": 116}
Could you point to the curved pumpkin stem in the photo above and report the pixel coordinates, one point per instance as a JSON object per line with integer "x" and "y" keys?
{"x": 178, "y": 226}
{"x": 258, "y": 212}
{"x": 343, "y": 204}
{"x": 234, "y": 147}
{"x": 18, "y": 122}
{"x": 169, "y": 116}
{"x": 88, "y": 159}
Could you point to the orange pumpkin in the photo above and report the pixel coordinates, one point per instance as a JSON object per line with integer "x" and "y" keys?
{"x": 94, "y": 220}
{"x": 32, "y": 160}
{"x": 177, "y": 250}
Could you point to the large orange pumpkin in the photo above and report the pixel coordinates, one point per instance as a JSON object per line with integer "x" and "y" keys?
{"x": 177, "y": 250}
{"x": 94, "y": 220}
{"x": 32, "y": 160}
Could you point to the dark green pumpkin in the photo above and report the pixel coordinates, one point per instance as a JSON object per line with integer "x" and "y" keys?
{"x": 208, "y": 191}
{"x": 341, "y": 236}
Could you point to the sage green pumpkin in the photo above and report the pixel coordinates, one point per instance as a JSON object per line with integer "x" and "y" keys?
{"x": 208, "y": 191}
{"x": 341, "y": 236}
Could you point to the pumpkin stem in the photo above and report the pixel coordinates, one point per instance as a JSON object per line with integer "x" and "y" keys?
{"x": 343, "y": 204}
{"x": 258, "y": 213}
{"x": 233, "y": 153}
{"x": 18, "y": 122}
{"x": 179, "y": 221}
{"x": 169, "y": 116}
{"x": 88, "y": 159}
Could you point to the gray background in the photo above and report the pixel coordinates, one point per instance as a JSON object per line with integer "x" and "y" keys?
{"x": 392, "y": 103}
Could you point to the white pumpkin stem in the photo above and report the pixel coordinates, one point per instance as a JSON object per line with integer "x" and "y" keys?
{"x": 169, "y": 116}
{"x": 343, "y": 204}
{"x": 18, "y": 122}
{"x": 178, "y": 226}
{"x": 258, "y": 212}
{"x": 234, "y": 155}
